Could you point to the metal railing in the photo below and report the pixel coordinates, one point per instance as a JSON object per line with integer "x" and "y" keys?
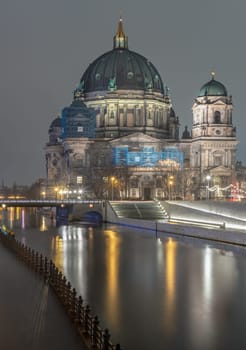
{"x": 45, "y": 202}
{"x": 80, "y": 314}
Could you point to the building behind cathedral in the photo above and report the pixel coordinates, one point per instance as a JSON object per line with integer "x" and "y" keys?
{"x": 119, "y": 138}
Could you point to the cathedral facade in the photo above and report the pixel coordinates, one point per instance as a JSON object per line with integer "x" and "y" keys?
{"x": 119, "y": 138}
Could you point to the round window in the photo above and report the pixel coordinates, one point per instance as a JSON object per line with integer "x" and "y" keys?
{"x": 130, "y": 75}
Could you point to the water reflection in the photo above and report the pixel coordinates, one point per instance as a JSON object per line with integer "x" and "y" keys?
{"x": 71, "y": 254}
{"x": 43, "y": 226}
{"x": 23, "y": 218}
{"x": 112, "y": 272}
{"x": 170, "y": 273}
{"x": 180, "y": 293}
{"x": 12, "y": 216}
{"x": 57, "y": 250}
{"x": 201, "y": 318}
{"x": 207, "y": 274}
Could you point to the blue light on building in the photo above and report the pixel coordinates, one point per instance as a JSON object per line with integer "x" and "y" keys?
{"x": 78, "y": 121}
{"x": 146, "y": 156}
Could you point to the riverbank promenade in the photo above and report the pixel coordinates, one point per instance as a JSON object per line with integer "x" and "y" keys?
{"x": 31, "y": 316}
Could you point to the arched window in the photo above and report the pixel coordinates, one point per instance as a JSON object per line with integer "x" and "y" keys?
{"x": 217, "y": 117}
{"x": 217, "y": 159}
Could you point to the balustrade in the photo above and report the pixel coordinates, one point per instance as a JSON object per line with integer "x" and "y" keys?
{"x": 85, "y": 323}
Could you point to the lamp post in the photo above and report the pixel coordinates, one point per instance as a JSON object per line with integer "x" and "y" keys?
{"x": 170, "y": 184}
{"x": 80, "y": 193}
{"x": 112, "y": 187}
{"x": 56, "y": 191}
{"x": 208, "y": 178}
{"x": 61, "y": 194}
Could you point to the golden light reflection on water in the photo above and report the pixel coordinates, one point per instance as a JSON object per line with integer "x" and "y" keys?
{"x": 58, "y": 251}
{"x": 112, "y": 265}
{"x": 170, "y": 262}
{"x": 11, "y": 217}
{"x": 43, "y": 224}
{"x": 18, "y": 212}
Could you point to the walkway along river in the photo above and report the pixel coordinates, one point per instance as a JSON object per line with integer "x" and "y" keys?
{"x": 152, "y": 292}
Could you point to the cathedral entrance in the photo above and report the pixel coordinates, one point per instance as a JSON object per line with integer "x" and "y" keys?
{"x": 147, "y": 193}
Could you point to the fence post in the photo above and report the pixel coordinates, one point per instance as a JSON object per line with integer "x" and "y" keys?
{"x": 29, "y": 254}
{"x": 63, "y": 285}
{"x": 36, "y": 261}
{"x": 86, "y": 319}
{"x": 73, "y": 304}
{"x": 79, "y": 310}
{"x": 95, "y": 331}
{"x": 51, "y": 272}
{"x": 46, "y": 274}
{"x": 67, "y": 298}
{"x": 33, "y": 259}
{"x": 41, "y": 261}
{"x": 106, "y": 338}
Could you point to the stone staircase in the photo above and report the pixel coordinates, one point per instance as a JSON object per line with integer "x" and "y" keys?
{"x": 145, "y": 210}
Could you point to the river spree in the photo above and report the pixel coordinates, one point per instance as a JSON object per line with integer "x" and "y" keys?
{"x": 150, "y": 291}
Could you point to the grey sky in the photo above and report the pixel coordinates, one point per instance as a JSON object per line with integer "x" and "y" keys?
{"x": 47, "y": 45}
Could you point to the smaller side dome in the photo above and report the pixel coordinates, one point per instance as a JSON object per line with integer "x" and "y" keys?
{"x": 213, "y": 88}
{"x": 78, "y": 121}
{"x": 55, "y": 131}
{"x": 57, "y": 122}
{"x": 186, "y": 133}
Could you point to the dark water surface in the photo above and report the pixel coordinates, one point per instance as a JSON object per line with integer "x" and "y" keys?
{"x": 158, "y": 293}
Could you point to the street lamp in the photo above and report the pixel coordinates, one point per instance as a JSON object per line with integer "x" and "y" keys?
{"x": 56, "y": 191}
{"x": 208, "y": 178}
{"x": 61, "y": 194}
{"x": 112, "y": 187}
{"x": 170, "y": 184}
{"x": 80, "y": 191}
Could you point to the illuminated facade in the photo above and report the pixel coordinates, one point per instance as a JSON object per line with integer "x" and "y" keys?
{"x": 213, "y": 147}
{"x": 121, "y": 134}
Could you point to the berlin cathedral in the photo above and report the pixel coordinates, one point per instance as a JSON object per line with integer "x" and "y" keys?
{"x": 119, "y": 138}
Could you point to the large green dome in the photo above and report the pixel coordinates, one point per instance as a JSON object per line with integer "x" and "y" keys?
{"x": 213, "y": 88}
{"x": 121, "y": 69}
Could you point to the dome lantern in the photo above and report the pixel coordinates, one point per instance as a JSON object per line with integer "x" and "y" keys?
{"x": 120, "y": 39}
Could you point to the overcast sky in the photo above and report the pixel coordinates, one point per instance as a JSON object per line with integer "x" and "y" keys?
{"x": 47, "y": 45}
